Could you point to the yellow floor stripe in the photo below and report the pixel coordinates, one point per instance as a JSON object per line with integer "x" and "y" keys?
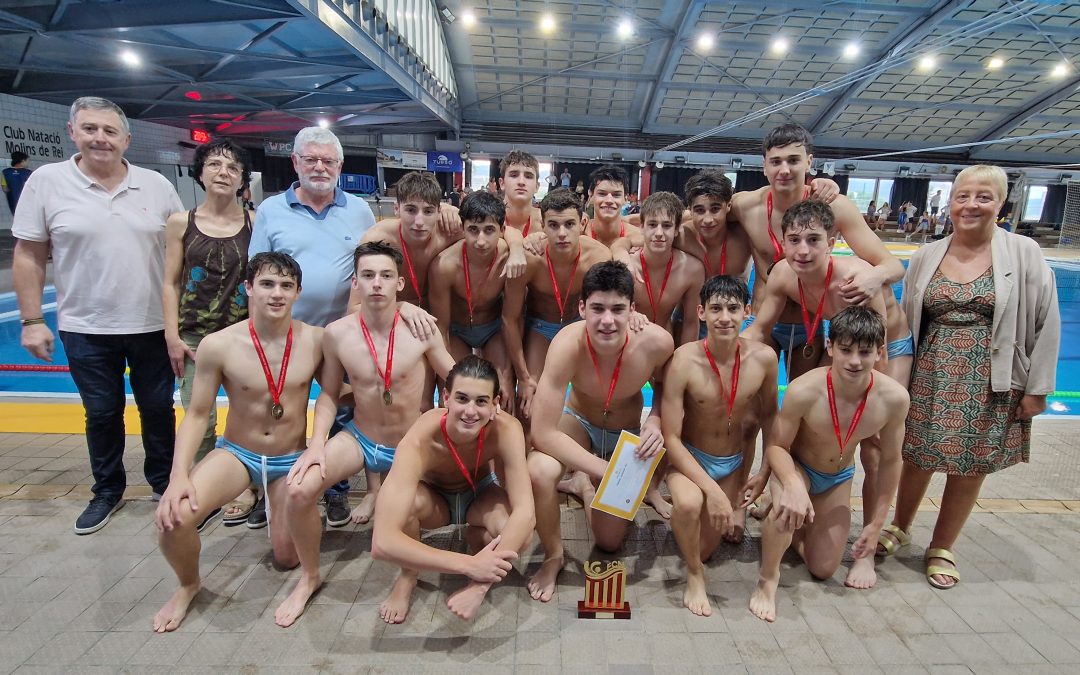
{"x": 68, "y": 418}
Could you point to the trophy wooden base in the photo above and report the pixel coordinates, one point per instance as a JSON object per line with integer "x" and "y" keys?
{"x": 584, "y": 612}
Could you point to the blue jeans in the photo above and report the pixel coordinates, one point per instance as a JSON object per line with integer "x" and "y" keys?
{"x": 97, "y": 366}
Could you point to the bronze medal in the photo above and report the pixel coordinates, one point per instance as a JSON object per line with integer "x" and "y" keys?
{"x": 807, "y": 350}
{"x": 276, "y": 411}
{"x": 387, "y": 399}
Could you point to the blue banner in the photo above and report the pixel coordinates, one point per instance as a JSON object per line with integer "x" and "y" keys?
{"x": 446, "y": 162}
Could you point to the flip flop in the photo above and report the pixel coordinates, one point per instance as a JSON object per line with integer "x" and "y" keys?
{"x": 237, "y": 512}
{"x": 941, "y": 570}
{"x": 896, "y": 540}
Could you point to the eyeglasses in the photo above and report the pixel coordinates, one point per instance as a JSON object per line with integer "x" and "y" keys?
{"x": 312, "y": 162}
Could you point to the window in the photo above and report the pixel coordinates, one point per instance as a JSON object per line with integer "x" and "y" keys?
{"x": 884, "y": 192}
{"x": 545, "y": 171}
{"x": 481, "y": 169}
{"x": 946, "y": 189}
{"x": 862, "y": 191}
{"x": 731, "y": 176}
{"x": 1033, "y": 204}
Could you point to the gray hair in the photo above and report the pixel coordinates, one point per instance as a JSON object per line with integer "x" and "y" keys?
{"x": 994, "y": 175}
{"x": 318, "y": 136}
{"x": 97, "y": 103}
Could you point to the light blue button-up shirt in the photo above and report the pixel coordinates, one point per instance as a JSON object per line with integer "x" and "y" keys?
{"x": 322, "y": 243}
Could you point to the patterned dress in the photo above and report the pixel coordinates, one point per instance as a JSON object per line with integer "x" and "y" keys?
{"x": 957, "y": 424}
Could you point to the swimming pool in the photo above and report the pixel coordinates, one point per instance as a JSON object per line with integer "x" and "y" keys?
{"x": 1066, "y": 400}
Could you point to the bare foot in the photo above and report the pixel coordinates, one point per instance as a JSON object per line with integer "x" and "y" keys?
{"x": 577, "y": 485}
{"x": 862, "y": 574}
{"x": 395, "y": 607}
{"x": 656, "y": 500}
{"x": 763, "y": 600}
{"x": 739, "y": 520}
{"x": 695, "y": 598}
{"x": 290, "y": 610}
{"x": 542, "y": 585}
{"x": 467, "y": 601}
{"x": 365, "y": 509}
{"x": 173, "y": 612}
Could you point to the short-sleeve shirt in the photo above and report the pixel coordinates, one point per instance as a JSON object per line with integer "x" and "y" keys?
{"x": 108, "y": 248}
{"x": 14, "y": 180}
{"x": 321, "y": 243}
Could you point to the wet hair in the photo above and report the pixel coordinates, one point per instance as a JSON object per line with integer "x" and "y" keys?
{"x": 376, "y": 248}
{"x": 724, "y": 286}
{"x": 419, "y": 185}
{"x": 787, "y": 134}
{"x": 609, "y": 172}
{"x": 474, "y": 367}
{"x": 224, "y": 148}
{"x": 317, "y": 136}
{"x": 805, "y": 213}
{"x": 663, "y": 203}
{"x": 518, "y": 157}
{"x": 276, "y": 262}
{"x": 479, "y": 207}
{"x": 560, "y": 199}
{"x": 994, "y": 175}
{"x": 857, "y": 325}
{"x": 709, "y": 183}
{"x": 98, "y": 103}
{"x": 18, "y": 156}
{"x": 610, "y": 275}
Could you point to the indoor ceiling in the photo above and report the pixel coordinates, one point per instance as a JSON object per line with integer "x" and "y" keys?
{"x": 924, "y": 75}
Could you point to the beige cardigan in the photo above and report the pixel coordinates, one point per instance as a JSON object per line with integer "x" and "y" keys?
{"x": 1026, "y": 329}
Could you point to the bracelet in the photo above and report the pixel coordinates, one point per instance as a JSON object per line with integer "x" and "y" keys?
{"x": 33, "y": 322}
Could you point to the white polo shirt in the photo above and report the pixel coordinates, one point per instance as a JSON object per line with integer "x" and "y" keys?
{"x": 108, "y": 248}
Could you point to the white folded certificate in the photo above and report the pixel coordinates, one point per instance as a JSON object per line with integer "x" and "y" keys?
{"x": 626, "y": 479}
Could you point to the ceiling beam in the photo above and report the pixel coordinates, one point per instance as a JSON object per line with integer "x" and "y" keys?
{"x": 546, "y": 72}
{"x": 1022, "y": 113}
{"x": 906, "y": 37}
{"x": 110, "y": 18}
{"x": 228, "y": 58}
{"x": 688, "y": 13}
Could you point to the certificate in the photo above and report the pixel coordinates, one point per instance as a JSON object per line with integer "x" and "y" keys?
{"x": 626, "y": 479}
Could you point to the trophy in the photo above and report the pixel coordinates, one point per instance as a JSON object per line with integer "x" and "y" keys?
{"x": 605, "y": 592}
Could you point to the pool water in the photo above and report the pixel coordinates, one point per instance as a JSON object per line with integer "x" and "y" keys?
{"x": 1065, "y": 401}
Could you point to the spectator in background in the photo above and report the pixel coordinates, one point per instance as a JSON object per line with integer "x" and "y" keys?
{"x": 14, "y": 177}
{"x": 564, "y": 179}
{"x": 935, "y": 203}
{"x": 901, "y": 217}
{"x": 871, "y": 213}
{"x": 882, "y": 215}
{"x": 579, "y": 190}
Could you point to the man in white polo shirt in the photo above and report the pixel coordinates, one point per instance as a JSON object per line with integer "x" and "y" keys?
{"x": 104, "y": 221}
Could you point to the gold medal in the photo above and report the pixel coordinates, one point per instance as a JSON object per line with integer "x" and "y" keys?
{"x": 276, "y": 411}
{"x": 386, "y": 398}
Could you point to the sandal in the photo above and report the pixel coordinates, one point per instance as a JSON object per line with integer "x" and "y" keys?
{"x": 941, "y": 570}
{"x": 892, "y": 539}
{"x": 237, "y": 512}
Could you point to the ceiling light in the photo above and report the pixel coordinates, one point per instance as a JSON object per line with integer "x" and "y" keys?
{"x": 705, "y": 42}
{"x": 927, "y": 62}
{"x": 659, "y": 165}
{"x": 995, "y": 63}
{"x": 779, "y": 46}
{"x": 324, "y": 124}
{"x": 626, "y": 28}
{"x": 468, "y": 19}
{"x": 1060, "y": 70}
{"x": 851, "y": 50}
{"x": 547, "y": 23}
{"x": 130, "y": 58}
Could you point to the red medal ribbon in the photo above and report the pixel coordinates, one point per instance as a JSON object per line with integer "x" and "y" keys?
{"x": 386, "y": 376}
{"x": 408, "y": 263}
{"x": 622, "y": 230}
{"x": 854, "y": 418}
{"x": 811, "y": 328}
{"x": 734, "y": 376}
{"x": 779, "y": 250}
{"x": 524, "y": 232}
{"x": 275, "y": 387}
{"x": 468, "y": 280}
{"x": 614, "y": 373}
{"x": 705, "y": 252}
{"x": 648, "y": 281}
{"x": 457, "y": 457}
{"x": 555, "y": 284}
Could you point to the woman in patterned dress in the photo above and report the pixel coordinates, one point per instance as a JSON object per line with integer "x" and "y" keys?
{"x": 983, "y": 310}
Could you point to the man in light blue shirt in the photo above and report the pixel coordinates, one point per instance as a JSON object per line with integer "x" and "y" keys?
{"x": 319, "y": 225}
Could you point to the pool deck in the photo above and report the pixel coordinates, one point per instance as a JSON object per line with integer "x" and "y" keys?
{"x": 85, "y": 603}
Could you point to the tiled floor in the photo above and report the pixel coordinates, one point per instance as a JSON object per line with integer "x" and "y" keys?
{"x": 84, "y": 604}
